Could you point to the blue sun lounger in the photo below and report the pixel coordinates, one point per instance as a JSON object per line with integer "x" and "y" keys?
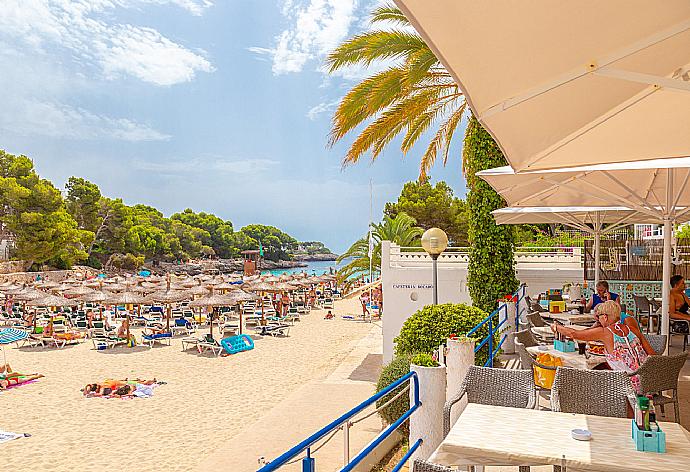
{"x": 151, "y": 339}
{"x": 235, "y": 344}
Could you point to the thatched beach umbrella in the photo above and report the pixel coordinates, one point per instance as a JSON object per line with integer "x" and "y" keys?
{"x": 239, "y": 297}
{"x": 78, "y": 291}
{"x": 168, "y": 297}
{"x": 211, "y": 300}
{"x": 48, "y": 300}
{"x": 127, "y": 298}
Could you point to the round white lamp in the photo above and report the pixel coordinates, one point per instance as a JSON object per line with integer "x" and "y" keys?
{"x": 434, "y": 242}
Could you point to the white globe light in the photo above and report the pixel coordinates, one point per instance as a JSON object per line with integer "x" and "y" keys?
{"x": 434, "y": 241}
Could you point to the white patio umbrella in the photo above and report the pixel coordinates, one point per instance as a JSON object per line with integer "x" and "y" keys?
{"x": 559, "y": 84}
{"x": 596, "y": 221}
{"x": 658, "y": 188}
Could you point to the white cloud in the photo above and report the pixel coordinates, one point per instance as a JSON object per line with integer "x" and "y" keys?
{"x": 323, "y": 107}
{"x": 87, "y": 30}
{"x": 205, "y": 165}
{"x": 195, "y": 7}
{"x": 30, "y": 117}
{"x": 316, "y": 27}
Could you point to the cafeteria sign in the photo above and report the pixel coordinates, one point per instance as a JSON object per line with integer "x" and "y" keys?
{"x": 413, "y": 286}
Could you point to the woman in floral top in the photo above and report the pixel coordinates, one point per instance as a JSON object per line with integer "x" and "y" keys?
{"x": 623, "y": 344}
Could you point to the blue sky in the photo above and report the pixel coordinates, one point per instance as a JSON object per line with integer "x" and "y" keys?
{"x": 215, "y": 105}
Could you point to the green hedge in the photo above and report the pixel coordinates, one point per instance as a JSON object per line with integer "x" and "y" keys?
{"x": 429, "y": 327}
{"x": 399, "y": 366}
{"x": 491, "y": 270}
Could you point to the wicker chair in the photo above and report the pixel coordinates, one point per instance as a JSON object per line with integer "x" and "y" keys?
{"x": 592, "y": 392}
{"x": 643, "y": 308}
{"x": 536, "y": 320}
{"x": 659, "y": 374}
{"x": 526, "y": 338}
{"x": 487, "y": 386}
{"x": 657, "y": 341}
{"x": 528, "y": 362}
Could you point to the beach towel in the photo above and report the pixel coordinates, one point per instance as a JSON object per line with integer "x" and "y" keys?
{"x": 7, "y": 436}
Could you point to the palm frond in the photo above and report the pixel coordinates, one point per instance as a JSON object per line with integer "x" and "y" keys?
{"x": 389, "y": 13}
{"x": 366, "y": 48}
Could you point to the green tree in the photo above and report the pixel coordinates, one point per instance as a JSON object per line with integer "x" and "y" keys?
{"x": 400, "y": 230}
{"x": 33, "y": 210}
{"x": 413, "y": 97}
{"x": 83, "y": 198}
{"x": 433, "y": 206}
{"x": 220, "y": 233}
{"x": 276, "y": 244}
{"x": 491, "y": 270}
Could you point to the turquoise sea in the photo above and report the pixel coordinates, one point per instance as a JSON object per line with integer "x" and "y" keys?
{"x": 313, "y": 268}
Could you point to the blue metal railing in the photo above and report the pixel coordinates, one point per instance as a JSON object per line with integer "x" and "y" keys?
{"x": 308, "y": 461}
{"x": 495, "y": 326}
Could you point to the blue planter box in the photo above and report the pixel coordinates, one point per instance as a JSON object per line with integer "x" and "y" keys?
{"x": 648, "y": 441}
{"x": 564, "y": 346}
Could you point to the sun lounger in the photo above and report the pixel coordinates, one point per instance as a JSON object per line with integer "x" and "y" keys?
{"x": 151, "y": 339}
{"x": 235, "y": 344}
{"x": 206, "y": 345}
{"x": 273, "y": 329}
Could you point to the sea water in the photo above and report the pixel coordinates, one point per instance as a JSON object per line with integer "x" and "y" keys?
{"x": 313, "y": 268}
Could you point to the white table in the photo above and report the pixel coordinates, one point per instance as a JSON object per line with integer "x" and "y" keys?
{"x": 571, "y": 318}
{"x": 570, "y": 359}
{"x": 494, "y": 435}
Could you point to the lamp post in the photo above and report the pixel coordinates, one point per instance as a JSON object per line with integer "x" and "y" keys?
{"x": 434, "y": 242}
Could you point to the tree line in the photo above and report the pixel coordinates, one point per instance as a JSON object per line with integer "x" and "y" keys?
{"x": 84, "y": 226}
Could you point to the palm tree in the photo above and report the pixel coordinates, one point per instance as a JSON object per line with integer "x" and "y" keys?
{"x": 400, "y": 230}
{"x": 408, "y": 98}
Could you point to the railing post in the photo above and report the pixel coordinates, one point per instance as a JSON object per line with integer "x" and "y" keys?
{"x": 346, "y": 442}
{"x": 491, "y": 342}
{"x": 308, "y": 463}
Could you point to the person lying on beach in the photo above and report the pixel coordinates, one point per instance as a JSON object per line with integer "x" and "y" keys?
{"x": 329, "y": 316}
{"x": 8, "y": 377}
{"x": 110, "y": 387}
{"x": 154, "y": 329}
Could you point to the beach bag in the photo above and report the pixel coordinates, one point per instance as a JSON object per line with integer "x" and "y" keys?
{"x": 544, "y": 377}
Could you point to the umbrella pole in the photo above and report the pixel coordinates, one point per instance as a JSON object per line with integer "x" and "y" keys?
{"x": 168, "y": 313}
{"x": 597, "y": 256}
{"x": 210, "y": 321}
{"x": 665, "y": 285}
{"x": 241, "y": 313}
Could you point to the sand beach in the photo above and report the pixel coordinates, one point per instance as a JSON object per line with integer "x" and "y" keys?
{"x": 204, "y": 404}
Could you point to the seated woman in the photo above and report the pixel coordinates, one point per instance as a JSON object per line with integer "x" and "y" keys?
{"x": 680, "y": 304}
{"x": 625, "y": 346}
{"x": 601, "y": 295}
{"x": 8, "y": 377}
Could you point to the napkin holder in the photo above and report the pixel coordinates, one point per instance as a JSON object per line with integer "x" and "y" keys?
{"x": 564, "y": 346}
{"x": 648, "y": 441}
{"x": 557, "y": 306}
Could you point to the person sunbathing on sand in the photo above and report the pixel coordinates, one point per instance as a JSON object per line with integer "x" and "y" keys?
{"x": 9, "y": 377}
{"x": 110, "y": 387}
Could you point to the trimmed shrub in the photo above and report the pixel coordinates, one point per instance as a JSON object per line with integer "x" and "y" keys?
{"x": 399, "y": 366}
{"x": 428, "y": 328}
{"x": 424, "y": 360}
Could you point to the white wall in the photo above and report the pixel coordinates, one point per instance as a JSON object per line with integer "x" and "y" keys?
{"x": 406, "y": 281}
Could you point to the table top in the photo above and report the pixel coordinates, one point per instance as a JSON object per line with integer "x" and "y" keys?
{"x": 570, "y": 318}
{"x": 494, "y": 435}
{"x": 570, "y": 359}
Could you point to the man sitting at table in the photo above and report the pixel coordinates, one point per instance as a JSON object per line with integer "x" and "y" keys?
{"x": 601, "y": 295}
{"x": 680, "y": 305}
{"x": 625, "y": 347}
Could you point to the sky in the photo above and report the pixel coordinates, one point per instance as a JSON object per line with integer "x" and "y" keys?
{"x": 220, "y": 106}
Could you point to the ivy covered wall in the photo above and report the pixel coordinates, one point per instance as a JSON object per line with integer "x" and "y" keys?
{"x": 491, "y": 272}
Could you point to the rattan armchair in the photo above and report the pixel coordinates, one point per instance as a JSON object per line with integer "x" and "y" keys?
{"x": 487, "y": 386}
{"x": 526, "y": 338}
{"x": 659, "y": 374}
{"x": 592, "y": 392}
{"x": 658, "y": 342}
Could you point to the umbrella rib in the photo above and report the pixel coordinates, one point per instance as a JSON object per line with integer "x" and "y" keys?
{"x": 621, "y": 200}
{"x": 574, "y": 222}
{"x": 587, "y": 69}
{"x": 554, "y": 185}
{"x": 642, "y": 200}
{"x": 682, "y": 186}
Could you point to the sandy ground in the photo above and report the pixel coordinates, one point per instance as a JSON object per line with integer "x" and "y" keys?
{"x": 205, "y": 402}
